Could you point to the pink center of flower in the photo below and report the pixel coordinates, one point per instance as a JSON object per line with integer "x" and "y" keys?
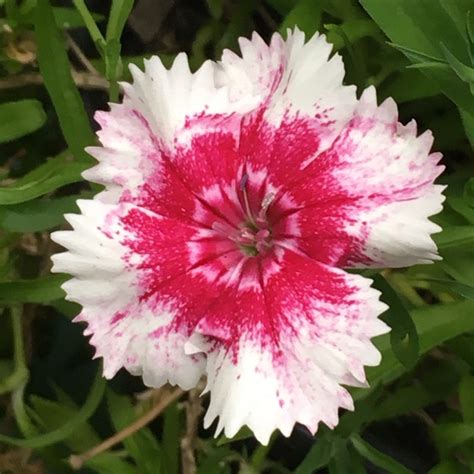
{"x": 245, "y": 223}
{"x": 253, "y": 236}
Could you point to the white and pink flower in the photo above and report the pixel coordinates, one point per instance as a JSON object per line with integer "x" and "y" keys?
{"x": 234, "y": 197}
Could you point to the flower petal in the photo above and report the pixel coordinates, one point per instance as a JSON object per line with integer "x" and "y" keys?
{"x": 277, "y": 351}
{"x": 366, "y": 200}
{"x": 292, "y": 78}
{"x": 129, "y": 268}
{"x": 162, "y": 109}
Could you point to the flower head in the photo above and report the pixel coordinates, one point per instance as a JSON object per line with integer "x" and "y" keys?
{"x": 234, "y": 197}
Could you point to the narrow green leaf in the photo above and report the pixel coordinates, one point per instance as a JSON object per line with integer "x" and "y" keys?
{"x": 465, "y": 73}
{"x": 171, "y": 437}
{"x": 65, "y": 17}
{"x": 71, "y": 18}
{"x": 417, "y": 27}
{"x": 215, "y": 8}
{"x": 95, "y": 396}
{"x": 41, "y": 290}
{"x": 20, "y": 118}
{"x": 403, "y": 336}
{"x": 470, "y": 26}
{"x": 243, "y": 433}
{"x": 341, "y": 460}
{"x": 409, "y": 85}
{"x": 306, "y": 14}
{"x": 450, "y": 467}
{"x": 318, "y": 456}
{"x": 415, "y": 54}
{"x": 52, "y": 415}
{"x": 435, "y": 324}
{"x": 468, "y": 193}
{"x": 449, "y": 435}
{"x": 466, "y": 397}
{"x": 117, "y": 19}
{"x": 109, "y": 463}
{"x": 90, "y": 23}
{"x": 213, "y": 462}
{"x": 350, "y": 31}
{"x": 464, "y": 290}
{"x": 357, "y": 462}
{"x": 429, "y": 65}
{"x": 142, "y": 446}
{"x": 38, "y": 215}
{"x": 377, "y": 458}
{"x": 56, "y": 71}
{"x": 404, "y": 400}
{"x": 463, "y": 347}
{"x": 53, "y": 174}
{"x": 433, "y": 384}
{"x": 454, "y": 236}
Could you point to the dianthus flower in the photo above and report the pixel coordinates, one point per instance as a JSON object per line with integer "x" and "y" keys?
{"x": 234, "y": 198}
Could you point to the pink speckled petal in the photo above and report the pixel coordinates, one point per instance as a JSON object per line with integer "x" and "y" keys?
{"x": 128, "y": 273}
{"x": 293, "y": 79}
{"x": 279, "y": 349}
{"x": 162, "y": 109}
{"x": 366, "y": 200}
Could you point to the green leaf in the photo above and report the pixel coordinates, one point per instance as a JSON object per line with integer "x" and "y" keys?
{"x": 318, "y": 456}
{"x": 459, "y": 263}
{"x": 454, "y": 236}
{"x": 435, "y": 324}
{"x": 403, "y": 336}
{"x": 42, "y": 290}
{"x": 90, "y": 23}
{"x": 377, "y": 458}
{"x": 408, "y": 85}
{"x": 53, "y": 174}
{"x": 20, "y": 118}
{"x": 433, "y": 384}
{"x": 416, "y": 55}
{"x": 306, "y": 14}
{"x": 420, "y": 24}
{"x": 52, "y": 415}
{"x": 213, "y": 462}
{"x": 36, "y": 216}
{"x": 69, "y": 17}
{"x": 171, "y": 438}
{"x": 65, "y": 17}
{"x": 56, "y": 72}
{"x": 143, "y": 445}
{"x": 465, "y": 73}
{"x": 357, "y": 462}
{"x": 215, "y": 8}
{"x": 468, "y": 193}
{"x": 458, "y": 204}
{"x": 464, "y": 290}
{"x": 449, "y": 435}
{"x": 404, "y": 400}
{"x": 117, "y": 19}
{"x": 85, "y": 412}
{"x": 243, "y": 433}
{"x": 351, "y": 31}
{"x": 463, "y": 346}
{"x": 341, "y": 459}
{"x": 109, "y": 463}
{"x": 450, "y": 467}
{"x": 466, "y": 398}
{"x": 418, "y": 27}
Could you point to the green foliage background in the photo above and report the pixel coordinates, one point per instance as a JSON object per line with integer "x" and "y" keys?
{"x": 417, "y": 416}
